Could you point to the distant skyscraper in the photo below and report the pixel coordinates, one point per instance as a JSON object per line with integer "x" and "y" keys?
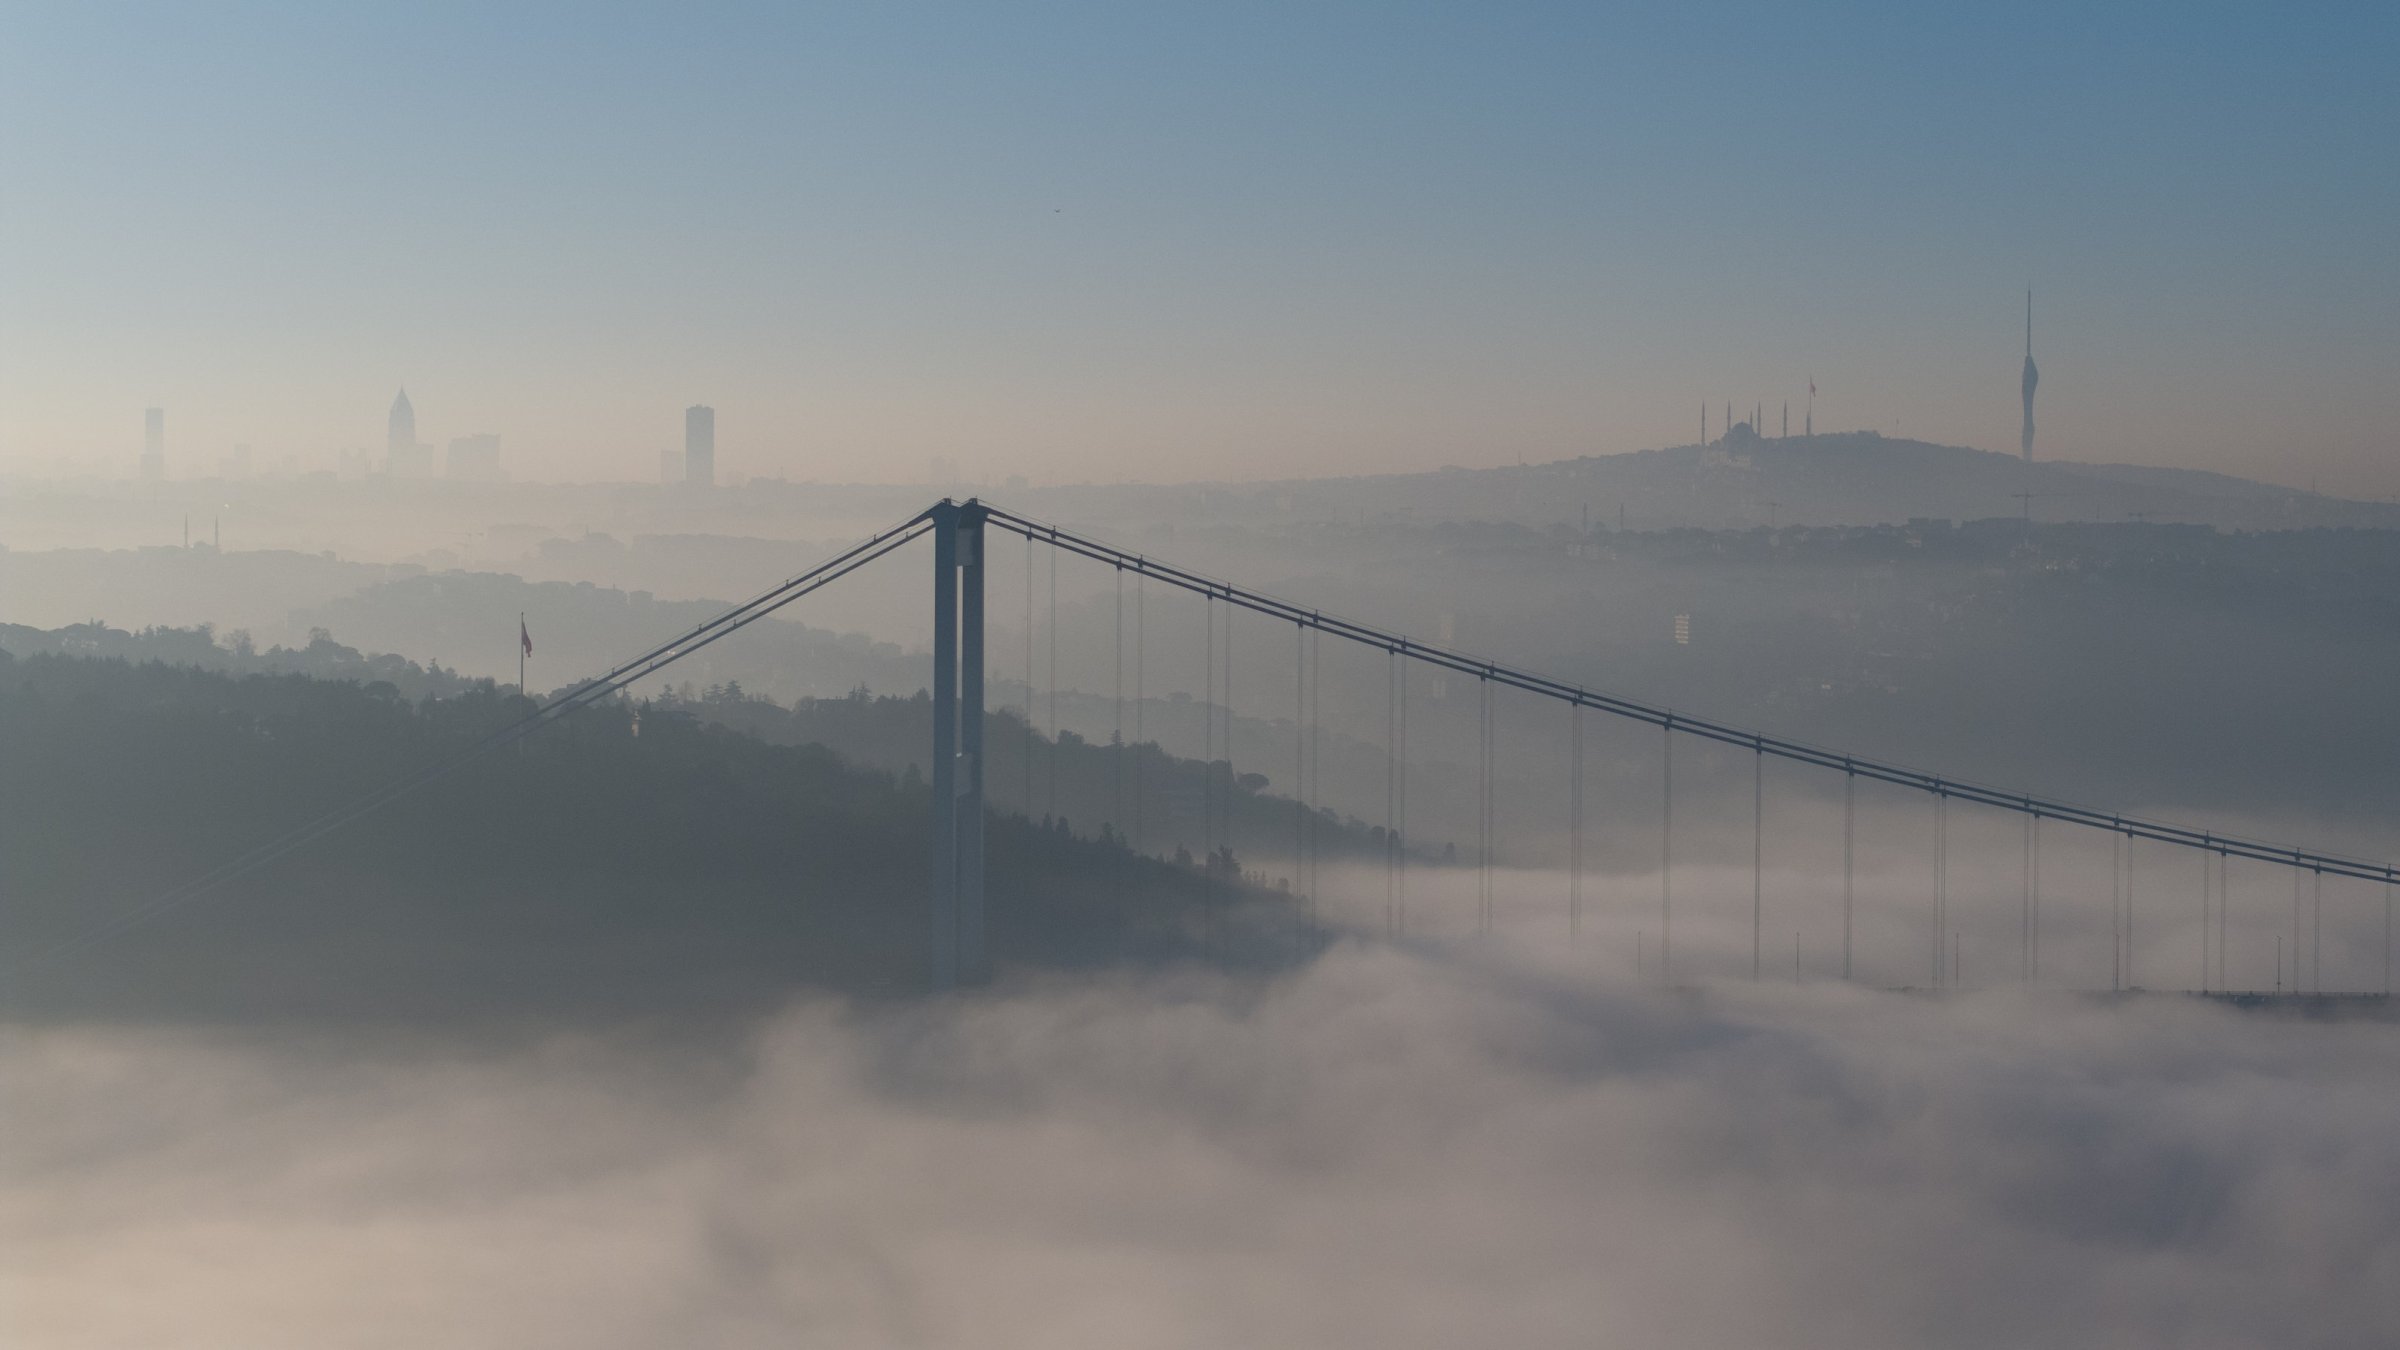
{"x": 700, "y": 445}
{"x": 154, "y": 444}
{"x": 2032, "y": 378}
{"x": 403, "y": 456}
{"x": 402, "y": 432}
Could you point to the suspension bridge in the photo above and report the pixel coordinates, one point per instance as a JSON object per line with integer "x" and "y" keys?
{"x": 961, "y": 534}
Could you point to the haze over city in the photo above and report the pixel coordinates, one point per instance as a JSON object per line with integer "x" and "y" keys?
{"x": 1176, "y": 676}
{"x": 1082, "y": 243}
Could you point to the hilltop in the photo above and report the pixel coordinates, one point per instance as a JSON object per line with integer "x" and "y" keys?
{"x": 1742, "y": 480}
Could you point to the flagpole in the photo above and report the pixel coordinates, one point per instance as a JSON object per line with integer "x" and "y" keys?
{"x": 520, "y": 653}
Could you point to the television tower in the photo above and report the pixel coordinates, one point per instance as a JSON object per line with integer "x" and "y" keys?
{"x": 2032, "y": 378}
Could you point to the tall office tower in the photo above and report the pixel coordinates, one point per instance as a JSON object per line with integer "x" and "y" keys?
{"x": 403, "y": 456}
{"x": 154, "y": 444}
{"x": 401, "y": 437}
{"x": 700, "y": 445}
{"x": 2032, "y": 377}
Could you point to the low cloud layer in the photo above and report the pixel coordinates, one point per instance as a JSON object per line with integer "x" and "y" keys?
{"x": 1391, "y": 1149}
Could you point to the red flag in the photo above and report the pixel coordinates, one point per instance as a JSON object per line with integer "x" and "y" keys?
{"x": 524, "y": 637}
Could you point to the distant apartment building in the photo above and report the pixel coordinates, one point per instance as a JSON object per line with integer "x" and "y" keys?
{"x": 474, "y": 458}
{"x": 700, "y": 445}
{"x": 154, "y": 444}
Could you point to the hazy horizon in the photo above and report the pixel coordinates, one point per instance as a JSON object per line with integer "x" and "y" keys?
{"x": 1397, "y": 822}
{"x": 1096, "y": 245}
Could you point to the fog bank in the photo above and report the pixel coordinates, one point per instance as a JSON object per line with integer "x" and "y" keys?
{"x": 1388, "y": 1149}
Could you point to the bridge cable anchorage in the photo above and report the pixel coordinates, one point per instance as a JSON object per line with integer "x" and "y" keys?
{"x": 616, "y": 680}
{"x": 1817, "y": 756}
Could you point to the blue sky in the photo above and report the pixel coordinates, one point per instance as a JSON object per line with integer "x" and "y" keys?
{"x": 1105, "y": 241}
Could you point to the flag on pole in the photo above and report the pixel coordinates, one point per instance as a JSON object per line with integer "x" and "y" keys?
{"x": 523, "y": 636}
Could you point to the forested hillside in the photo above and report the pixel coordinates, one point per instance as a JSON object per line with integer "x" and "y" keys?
{"x": 612, "y": 858}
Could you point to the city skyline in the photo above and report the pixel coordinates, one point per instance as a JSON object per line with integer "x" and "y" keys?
{"x": 1103, "y": 255}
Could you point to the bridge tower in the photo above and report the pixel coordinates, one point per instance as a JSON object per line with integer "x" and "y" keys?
{"x": 956, "y": 949}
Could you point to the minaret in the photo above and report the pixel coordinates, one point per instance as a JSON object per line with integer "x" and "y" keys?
{"x": 2032, "y": 378}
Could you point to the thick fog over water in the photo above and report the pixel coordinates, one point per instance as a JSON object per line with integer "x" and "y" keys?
{"x": 1390, "y": 1147}
{"x": 1584, "y": 610}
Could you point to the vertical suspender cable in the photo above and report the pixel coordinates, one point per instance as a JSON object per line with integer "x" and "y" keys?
{"x": 2025, "y": 914}
{"x": 2116, "y": 911}
{"x": 1483, "y": 812}
{"x": 1666, "y": 844}
{"x": 2296, "y": 878}
{"x": 1208, "y": 728}
{"x": 2129, "y": 873}
{"x": 1400, "y": 839}
{"x": 1225, "y": 799}
{"x": 1140, "y": 593}
{"x": 1391, "y": 790}
{"x": 1941, "y": 884}
{"x": 1758, "y": 865}
{"x": 1054, "y": 737}
{"x": 1316, "y": 767}
{"x": 2316, "y": 932}
{"x": 1117, "y": 740}
{"x": 1575, "y": 823}
{"x": 1029, "y": 734}
{"x": 2033, "y": 938}
{"x": 1299, "y": 761}
{"x": 1849, "y": 850}
{"x": 2224, "y": 903}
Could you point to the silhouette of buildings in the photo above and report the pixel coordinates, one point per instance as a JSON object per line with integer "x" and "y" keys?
{"x": 154, "y": 444}
{"x": 403, "y": 455}
{"x": 2032, "y": 378}
{"x": 475, "y": 458}
{"x": 700, "y": 445}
